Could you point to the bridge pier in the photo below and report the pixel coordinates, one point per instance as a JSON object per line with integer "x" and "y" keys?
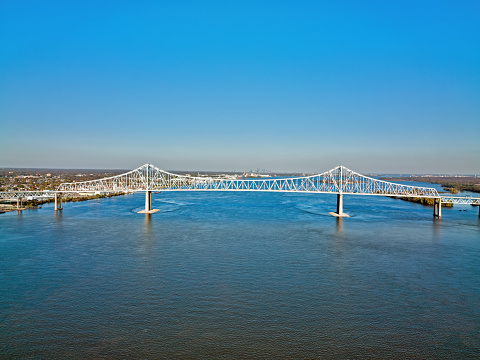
{"x": 339, "y": 212}
{"x": 437, "y": 208}
{"x": 148, "y": 201}
{"x": 148, "y": 204}
{"x": 58, "y": 202}
{"x": 20, "y": 204}
{"x": 339, "y": 204}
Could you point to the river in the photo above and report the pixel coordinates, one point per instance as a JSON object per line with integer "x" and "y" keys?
{"x": 225, "y": 275}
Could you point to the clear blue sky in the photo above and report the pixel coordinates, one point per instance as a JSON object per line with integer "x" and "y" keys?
{"x": 377, "y": 86}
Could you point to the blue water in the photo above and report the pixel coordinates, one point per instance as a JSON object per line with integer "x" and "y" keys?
{"x": 240, "y": 275}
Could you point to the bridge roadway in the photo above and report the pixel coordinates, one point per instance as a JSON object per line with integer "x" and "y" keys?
{"x": 149, "y": 178}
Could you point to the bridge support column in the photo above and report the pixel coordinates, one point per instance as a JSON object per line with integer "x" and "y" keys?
{"x": 20, "y": 204}
{"x": 148, "y": 204}
{"x": 148, "y": 200}
{"x": 437, "y": 208}
{"x": 339, "y": 212}
{"x": 339, "y": 204}
{"x": 58, "y": 202}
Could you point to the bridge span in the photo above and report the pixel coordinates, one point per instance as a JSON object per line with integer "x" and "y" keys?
{"x": 340, "y": 180}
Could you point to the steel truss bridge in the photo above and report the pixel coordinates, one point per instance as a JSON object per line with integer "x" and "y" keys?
{"x": 340, "y": 181}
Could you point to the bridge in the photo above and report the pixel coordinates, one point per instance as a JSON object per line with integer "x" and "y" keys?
{"x": 340, "y": 180}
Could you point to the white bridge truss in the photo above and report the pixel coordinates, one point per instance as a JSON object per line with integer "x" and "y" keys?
{"x": 339, "y": 180}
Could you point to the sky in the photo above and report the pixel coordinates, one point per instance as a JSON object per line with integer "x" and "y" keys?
{"x": 376, "y": 86}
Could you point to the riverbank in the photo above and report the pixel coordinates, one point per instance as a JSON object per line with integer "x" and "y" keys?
{"x": 4, "y": 208}
{"x": 452, "y": 184}
{"x": 423, "y": 201}
{"x": 34, "y": 204}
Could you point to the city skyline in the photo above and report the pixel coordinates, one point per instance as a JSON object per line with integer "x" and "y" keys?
{"x": 378, "y": 88}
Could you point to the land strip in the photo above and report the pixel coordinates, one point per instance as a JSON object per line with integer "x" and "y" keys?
{"x": 452, "y": 184}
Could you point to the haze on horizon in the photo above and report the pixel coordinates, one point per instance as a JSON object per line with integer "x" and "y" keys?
{"x": 379, "y": 87}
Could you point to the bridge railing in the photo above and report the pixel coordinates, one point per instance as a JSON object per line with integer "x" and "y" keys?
{"x": 26, "y": 194}
{"x": 467, "y": 200}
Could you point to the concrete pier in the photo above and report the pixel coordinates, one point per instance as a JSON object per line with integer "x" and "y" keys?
{"x": 339, "y": 204}
{"x": 339, "y": 212}
{"x": 437, "y": 208}
{"x": 148, "y": 200}
{"x": 20, "y": 207}
{"x": 148, "y": 204}
{"x": 58, "y": 202}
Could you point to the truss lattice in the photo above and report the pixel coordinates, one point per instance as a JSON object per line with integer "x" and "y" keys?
{"x": 337, "y": 180}
{"x": 24, "y": 194}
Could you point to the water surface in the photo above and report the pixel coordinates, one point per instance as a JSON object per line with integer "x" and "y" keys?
{"x": 240, "y": 275}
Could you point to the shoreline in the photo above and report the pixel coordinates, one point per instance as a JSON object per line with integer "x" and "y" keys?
{"x": 451, "y": 184}
{"x": 36, "y": 204}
